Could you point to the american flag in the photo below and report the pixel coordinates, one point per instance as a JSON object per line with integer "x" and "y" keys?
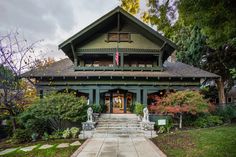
{"x": 117, "y": 57}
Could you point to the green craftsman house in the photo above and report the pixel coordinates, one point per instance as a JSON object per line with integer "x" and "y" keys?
{"x": 117, "y": 61}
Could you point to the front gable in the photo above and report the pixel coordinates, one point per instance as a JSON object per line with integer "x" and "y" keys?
{"x": 118, "y": 20}
{"x": 138, "y": 41}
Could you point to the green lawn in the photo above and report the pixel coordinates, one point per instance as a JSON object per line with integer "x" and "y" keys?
{"x": 209, "y": 142}
{"x": 51, "y": 152}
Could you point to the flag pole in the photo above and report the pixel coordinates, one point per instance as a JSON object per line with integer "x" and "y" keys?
{"x": 117, "y": 54}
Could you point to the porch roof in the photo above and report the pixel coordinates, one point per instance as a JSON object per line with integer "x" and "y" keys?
{"x": 65, "y": 68}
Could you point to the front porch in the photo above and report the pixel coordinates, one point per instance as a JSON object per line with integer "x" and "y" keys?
{"x": 118, "y": 99}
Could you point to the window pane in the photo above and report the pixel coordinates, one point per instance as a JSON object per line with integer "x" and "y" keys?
{"x": 124, "y": 37}
{"x": 112, "y": 37}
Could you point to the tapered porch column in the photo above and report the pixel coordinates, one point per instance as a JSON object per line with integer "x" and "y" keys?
{"x": 145, "y": 97}
{"x": 138, "y": 95}
{"x": 125, "y": 102}
{"x": 111, "y": 102}
{"x": 90, "y": 96}
{"x": 97, "y": 96}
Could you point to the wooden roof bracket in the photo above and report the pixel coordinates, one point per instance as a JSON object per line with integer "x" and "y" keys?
{"x": 74, "y": 54}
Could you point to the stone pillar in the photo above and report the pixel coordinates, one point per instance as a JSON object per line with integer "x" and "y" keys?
{"x": 97, "y": 96}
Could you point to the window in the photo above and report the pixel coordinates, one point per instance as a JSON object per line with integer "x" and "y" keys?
{"x": 229, "y": 100}
{"x": 118, "y": 37}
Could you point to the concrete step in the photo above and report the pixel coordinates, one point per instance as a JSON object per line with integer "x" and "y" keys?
{"x": 119, "y": 128}
{"x": 117, "y": 135}
{"x": 118, "y": 116}
{"x": 114, "y": 125}
{"x": 118, "y": 131}
{"x": 118, "y": 123}
{"x": 102, "y": 119}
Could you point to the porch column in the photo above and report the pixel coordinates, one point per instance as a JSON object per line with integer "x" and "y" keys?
{"x": 125, "y": 102}
{"x": 97, "y": 96}
{"x": 121, "y": 59}
{"x": 114, "y": 59}
{"x": 90, "y": 96}
{"x": 145, "y": 97}
{"x": 111, "y": 102}
{"x": 138, "y": 95}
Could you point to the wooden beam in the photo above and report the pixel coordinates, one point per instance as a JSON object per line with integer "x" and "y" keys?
{"x": 163, "y": 46}
{"x": 118, "y": 22}
{"x": 74, "y": 54}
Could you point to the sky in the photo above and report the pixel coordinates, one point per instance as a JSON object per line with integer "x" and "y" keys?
{"x": 51, "y": 21}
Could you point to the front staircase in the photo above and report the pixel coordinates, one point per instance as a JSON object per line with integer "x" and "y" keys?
{"x": 117, "y": 125}
{"x": 113, "y": 125}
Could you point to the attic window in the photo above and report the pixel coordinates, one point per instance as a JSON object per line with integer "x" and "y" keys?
{"x": 118, "y": 37}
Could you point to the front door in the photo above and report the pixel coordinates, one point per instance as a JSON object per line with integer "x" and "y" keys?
{"x": 118, "y": 101}
{"x": 118, "y": 104}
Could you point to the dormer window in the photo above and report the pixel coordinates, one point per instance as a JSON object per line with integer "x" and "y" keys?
{"x": 118, "y": 37}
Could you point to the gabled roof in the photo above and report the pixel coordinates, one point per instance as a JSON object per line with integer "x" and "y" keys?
{"x": 106, "y": 20}
{"x": 65, "y": 68}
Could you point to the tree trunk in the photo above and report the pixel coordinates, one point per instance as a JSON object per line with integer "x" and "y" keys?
{"x": 180, "y": 120}
{"x": 13, "y": 123}
{"x": 221, "y": 91}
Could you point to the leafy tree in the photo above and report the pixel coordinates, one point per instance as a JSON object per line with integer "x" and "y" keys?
{"x": 132, "y": 6}
{"x": 16, "y": 57}
{"x": 160, "y": 14}
{"x": 216, "y": 20}
{"x": 40, "y": 63}
{"x": 181, "y": 102}
{"x": 233, "y": 73}
{"x": 192, "y": 45}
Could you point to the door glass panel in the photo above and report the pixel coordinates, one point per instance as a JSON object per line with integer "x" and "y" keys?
{"x": 107, "y": 102}
{"x": 118, "y": 103}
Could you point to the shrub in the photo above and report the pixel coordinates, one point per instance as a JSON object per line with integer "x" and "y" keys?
{"x": 132, "y": 108}
{"x": 66, "y": 133}
{"x": 53, "y": 111}
{"x": 227, "y": 113}
{"x": 56, "y": 135}
{"x": 161, "y": 130}
{"x": 74, "y": 132}
{"x": 34, "y": 136}
{"x": 139, "y": 108}
{"x": 96, "y": 108}
{"x": 45, "y": 136}
{"x": 103, "y": 108}
{"x": 29, "y": 120}
{"x": 208, "y": 121}
{"x": 21, "y": 135}
{"x": 164, "y": 128}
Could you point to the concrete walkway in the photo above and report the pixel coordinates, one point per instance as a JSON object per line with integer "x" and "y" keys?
{"x": 118, "y": 147}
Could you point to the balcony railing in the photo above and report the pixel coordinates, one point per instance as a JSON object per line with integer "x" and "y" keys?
{"x": 118, "y": 68}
